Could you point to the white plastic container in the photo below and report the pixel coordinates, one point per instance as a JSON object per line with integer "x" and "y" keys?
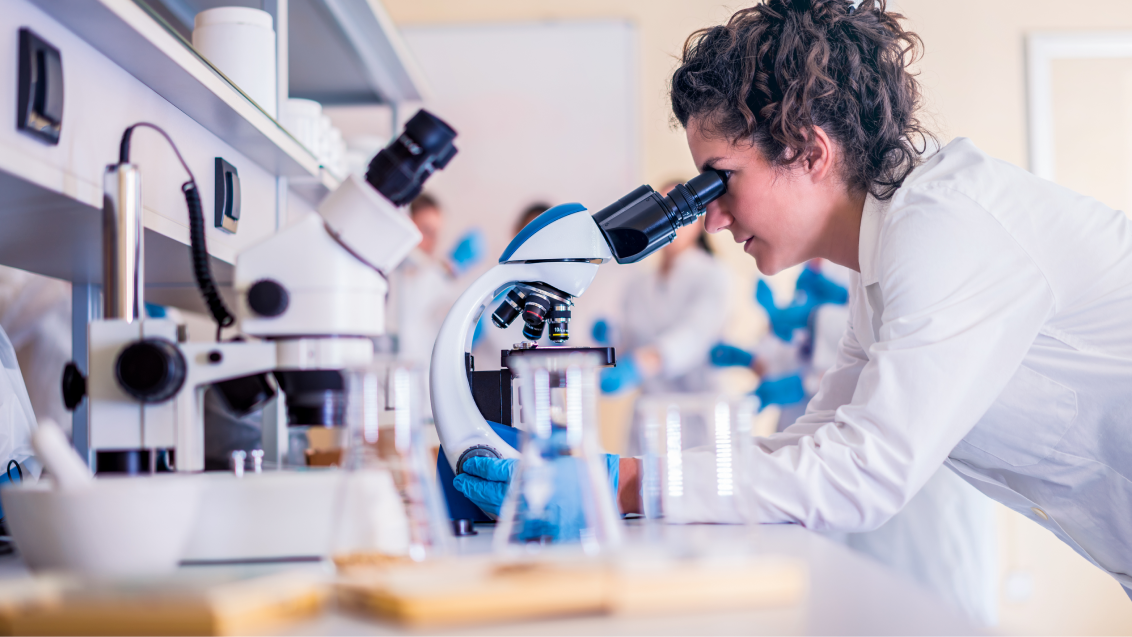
{"x": 241, "y": 43}
{"x": 116, "y": 527}
{"x": 302, "y": 119}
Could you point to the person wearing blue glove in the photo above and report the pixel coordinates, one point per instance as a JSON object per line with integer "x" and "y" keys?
{"x": 783, "y": 321}
{"x": 787, "y": 390}
{"x": 818, "y": 288}
{"x": 811, "y": 290}
{"x": 724, "y": 355}
{"x": 620, "y": 378}
{"x": 423, "y": 287}
{"x": 468, "y": 252}
{"x": 485, "y": 481}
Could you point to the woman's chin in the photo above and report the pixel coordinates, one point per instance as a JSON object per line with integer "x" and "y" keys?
{"x": 766, "y": 263}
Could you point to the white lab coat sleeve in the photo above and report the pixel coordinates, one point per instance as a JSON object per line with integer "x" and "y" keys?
{"x": 962, "y": 304}
{"x": 687, "y": 344}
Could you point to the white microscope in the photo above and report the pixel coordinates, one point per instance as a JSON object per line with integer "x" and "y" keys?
{"x": 314, "y": 293}
{"x": 551, "y": 261}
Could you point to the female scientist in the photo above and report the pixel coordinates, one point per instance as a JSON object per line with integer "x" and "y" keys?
{"x": 989, "y": 309}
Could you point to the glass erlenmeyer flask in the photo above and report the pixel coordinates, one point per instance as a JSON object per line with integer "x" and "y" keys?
{"x": 560, "y": 493}
{"x": 694, "y": 466}
{"x": 389, "y": 506}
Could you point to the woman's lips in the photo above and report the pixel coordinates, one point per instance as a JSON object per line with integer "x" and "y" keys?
{"x": 747, "y": 244}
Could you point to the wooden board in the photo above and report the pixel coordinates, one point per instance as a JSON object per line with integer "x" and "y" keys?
{"x": 473, "y": 590}
{"x": 180, "y": 605}
{"x": 482, "y": 590}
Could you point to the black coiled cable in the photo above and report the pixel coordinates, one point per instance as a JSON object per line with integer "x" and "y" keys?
{"x": 201, "y": 269}
{"x": 199, "y": 250}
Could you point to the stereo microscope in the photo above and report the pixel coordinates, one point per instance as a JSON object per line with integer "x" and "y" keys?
{"x": 312, "y": 296}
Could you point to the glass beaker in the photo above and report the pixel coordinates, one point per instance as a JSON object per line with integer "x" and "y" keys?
{"x": 694, "y": 466}
{"x": 560, "y": 492}
{"x": 389, "y": 506}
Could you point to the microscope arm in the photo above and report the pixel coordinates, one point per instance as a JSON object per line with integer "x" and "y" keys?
{"x": 210, "y": 363}
{"x": 458, "y": 421}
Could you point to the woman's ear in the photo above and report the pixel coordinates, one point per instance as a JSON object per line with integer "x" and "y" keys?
{"x": 820, "y": 156}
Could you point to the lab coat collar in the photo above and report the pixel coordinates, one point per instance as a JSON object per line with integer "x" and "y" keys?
{"x": 867, "y": 253}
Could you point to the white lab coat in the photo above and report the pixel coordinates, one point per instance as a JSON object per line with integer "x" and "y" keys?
{"x": 682, "y": 315}
{"x": 989, "y": 331}
{"x": 421, "y": 291}
{"x": 35, "y": 311}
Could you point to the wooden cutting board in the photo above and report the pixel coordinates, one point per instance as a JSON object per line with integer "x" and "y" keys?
{"x": 184, "y": 604}
{"x": 481, "y": 590}
{"x": 473, "y": 590}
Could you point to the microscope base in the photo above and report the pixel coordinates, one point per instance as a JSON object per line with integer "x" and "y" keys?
{"x": 271, "y": 516}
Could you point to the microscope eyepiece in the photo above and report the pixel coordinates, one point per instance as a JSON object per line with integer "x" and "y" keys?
{"x": 399, "y": 171}
{"x": 642, "y": 222}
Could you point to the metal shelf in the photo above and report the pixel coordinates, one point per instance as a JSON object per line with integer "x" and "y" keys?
{"x": 339, "y": 51}
{"x": 126, "y": 34}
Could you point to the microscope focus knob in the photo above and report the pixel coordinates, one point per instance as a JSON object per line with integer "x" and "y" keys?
{"x": 152, "y": 370}
{"x": 268, "y": 298}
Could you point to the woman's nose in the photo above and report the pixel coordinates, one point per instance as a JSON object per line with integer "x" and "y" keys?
{"x": 717, "y": 217}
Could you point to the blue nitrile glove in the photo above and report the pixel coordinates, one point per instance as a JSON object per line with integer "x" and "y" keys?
{"x": 14, "y": 475}
{"x": 485, "y": 482}
{"x": 783, "y": 321}
{"x": 468, "y": 251}
{"x": 724, "y": 355}
{"x": 601, "y": 332}
{"x": 622, "y": 377}
{"x": 819, "y": 289}
{"x": 153, "y": 310}
{"x": 781, "y": 391}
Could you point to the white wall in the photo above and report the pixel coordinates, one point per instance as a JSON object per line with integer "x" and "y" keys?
{"x": 544, "y": 112}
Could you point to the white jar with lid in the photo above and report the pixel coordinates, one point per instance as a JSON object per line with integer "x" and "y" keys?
{"x": 302, "y": 118}
{"x": 240, "y": 42}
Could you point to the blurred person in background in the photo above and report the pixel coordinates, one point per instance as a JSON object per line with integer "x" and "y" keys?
{"x": 422, "y": 288}
{"x": 671, "y": 317}
{"x": 792, "y": 356}
{"x": 35, "y": 311}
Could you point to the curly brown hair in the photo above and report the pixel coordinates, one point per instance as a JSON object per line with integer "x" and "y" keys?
{"x": 782, "y": 67}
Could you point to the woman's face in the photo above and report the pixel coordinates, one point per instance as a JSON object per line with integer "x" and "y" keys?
{"x": 777, "y": 214}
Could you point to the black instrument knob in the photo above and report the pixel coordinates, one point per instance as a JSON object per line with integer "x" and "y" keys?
{"x": 152, "y": 370}
{"x": 268, "y": 298}
{"x": 74, "y": 386}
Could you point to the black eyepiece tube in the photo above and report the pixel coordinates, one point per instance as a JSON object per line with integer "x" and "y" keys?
{"x": 642, "y": 222}
{"x": 399, "y": 171}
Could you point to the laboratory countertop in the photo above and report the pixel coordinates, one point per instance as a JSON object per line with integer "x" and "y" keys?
{"x": 848, "y": 594}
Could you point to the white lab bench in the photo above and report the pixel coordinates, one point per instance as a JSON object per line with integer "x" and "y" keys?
{"x": 848, "y": 594}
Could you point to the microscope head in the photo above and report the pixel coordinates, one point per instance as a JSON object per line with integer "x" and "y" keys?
{"x": 643, "y": 221}
{"x": 634, "y": 227}
{"x": 317, "y": 289}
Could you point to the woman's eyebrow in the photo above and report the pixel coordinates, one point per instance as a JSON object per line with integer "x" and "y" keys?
{"x": 709, "y": 164}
